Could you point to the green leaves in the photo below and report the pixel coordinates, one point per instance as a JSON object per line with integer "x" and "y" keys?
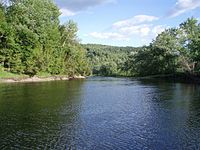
{"x": 173, "y": 50}
{"x": 108, "y": 60}
{"x": 68, "y": 33}
{"x": 32, "y": 41}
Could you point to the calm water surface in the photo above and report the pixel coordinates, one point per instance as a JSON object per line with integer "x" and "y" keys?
{"x": 100, "y": 113}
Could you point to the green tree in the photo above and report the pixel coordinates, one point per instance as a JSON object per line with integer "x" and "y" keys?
{"x": 189, "y": 38}
{"x": 75, "y": 61}
{"x": 160, "y": 57}
{"x": 35, "y": 25}
{"x": 33, "y": 41}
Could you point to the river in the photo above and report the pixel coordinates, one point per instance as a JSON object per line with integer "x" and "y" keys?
{"x": 100, "y": 113}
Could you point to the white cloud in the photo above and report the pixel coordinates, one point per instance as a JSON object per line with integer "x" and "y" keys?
{"x": 158, "y": 29}
{"x": 183, "y": 6}
{"x": 140, "y": 30}
{"x": 72, "y": 7}
{"x": 135, "y": 20}
{"x": 145, "y": 31}
{"x": 66, "y": 13}
{"x": 139, "y": 26}
{"x": 109, "y": 35}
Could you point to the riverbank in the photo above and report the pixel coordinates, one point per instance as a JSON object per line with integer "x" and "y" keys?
{"x": 38, "y": 79}
{"x": 181, "y": 77}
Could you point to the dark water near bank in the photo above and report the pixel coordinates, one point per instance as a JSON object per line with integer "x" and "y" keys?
{"x": 100, "y": 113}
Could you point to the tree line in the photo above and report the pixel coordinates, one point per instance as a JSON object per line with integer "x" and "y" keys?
{"x": 32, "y": 40}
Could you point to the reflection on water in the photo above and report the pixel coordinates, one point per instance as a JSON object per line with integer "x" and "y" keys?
{"x": 100, "y": 113}
{"x": 39, "y": 115}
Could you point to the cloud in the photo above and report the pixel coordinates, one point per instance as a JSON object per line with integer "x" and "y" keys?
{"x": 138, "y": 26}
{"x": 183, "y": 6}
{"x": 141, "y": 30}
{"x": 66, "y": 12}
{"x": 158, "y": 29}
{"x": 69, "y": 7}
{"x": 109, "y": 35}
{"x": 135, "y": 20}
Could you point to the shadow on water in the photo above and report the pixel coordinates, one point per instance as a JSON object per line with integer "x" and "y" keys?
{"x": 39, "y": 115}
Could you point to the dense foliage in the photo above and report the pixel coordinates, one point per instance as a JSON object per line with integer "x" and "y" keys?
{"x": 174, "y": 50}
{"x": 108, "y": 60}
{"x": 32, "y": 40}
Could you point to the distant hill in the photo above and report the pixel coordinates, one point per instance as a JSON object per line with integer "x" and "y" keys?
{"x": 107, "y": 60}
{"x": 109, "y": 47}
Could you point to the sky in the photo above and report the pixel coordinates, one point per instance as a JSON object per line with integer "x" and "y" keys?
{"x": 125, "y": 22}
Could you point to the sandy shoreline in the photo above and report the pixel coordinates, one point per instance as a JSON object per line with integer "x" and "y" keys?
{"x": 39, "y": 79}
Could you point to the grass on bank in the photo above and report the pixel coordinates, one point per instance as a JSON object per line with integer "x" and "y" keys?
{"x": 8, "y": 75}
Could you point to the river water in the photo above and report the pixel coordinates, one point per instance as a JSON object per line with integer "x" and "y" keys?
{"x": 100, "y": 113}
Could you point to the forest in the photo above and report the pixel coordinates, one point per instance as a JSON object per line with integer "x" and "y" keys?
{"x": 33, "y": 42}
{"x": 108, "y": 60}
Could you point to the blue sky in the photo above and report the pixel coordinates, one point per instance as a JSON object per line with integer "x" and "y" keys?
{"x": 125, "y": 22}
